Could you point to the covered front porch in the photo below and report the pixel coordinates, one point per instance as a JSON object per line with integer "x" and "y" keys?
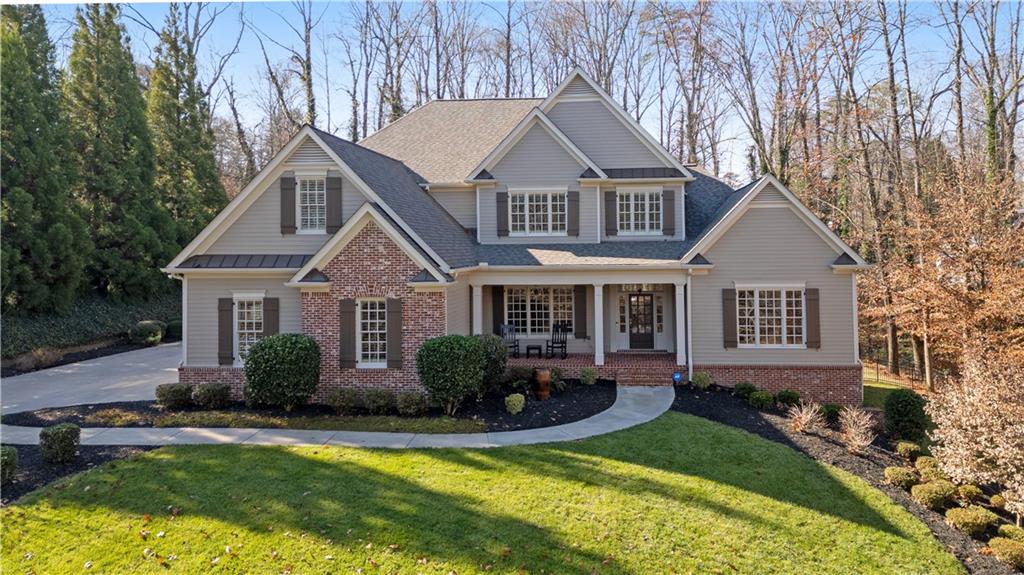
{"x": 608, "y": 321}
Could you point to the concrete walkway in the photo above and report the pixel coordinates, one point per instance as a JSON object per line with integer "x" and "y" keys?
{"x": 633, "y": 406}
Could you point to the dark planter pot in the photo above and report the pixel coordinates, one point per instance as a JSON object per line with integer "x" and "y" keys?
{"x": 543, "y": 379}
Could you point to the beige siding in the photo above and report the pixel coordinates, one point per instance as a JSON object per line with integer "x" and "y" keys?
{"x": 458, "y": 301}
{"x": 773, "y": 245}
{"x": 460, "y": 203}
{"x": 258, "y": 229}
{"x": 201, "y": 314}
{"x": 602, "y": 136}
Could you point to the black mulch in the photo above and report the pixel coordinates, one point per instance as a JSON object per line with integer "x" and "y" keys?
{"x": 579, "y": 402}
{"x": 33, "y": 472}
{"x": 721, "y": 406}
{"x": 119, "y": 347}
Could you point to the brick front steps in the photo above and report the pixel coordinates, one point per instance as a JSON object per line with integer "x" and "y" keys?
{"x": 625, "y": 368}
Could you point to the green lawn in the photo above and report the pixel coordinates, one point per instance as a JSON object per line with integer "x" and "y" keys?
{"x": 875, "y": 392}
{"x": 679, "y": 494}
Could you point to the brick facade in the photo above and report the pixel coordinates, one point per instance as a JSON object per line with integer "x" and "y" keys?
{"x": 842, "y": 384}
{"x": 233, "y": 376}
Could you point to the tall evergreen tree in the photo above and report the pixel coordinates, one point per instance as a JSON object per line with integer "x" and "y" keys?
{"x": 45, "y": 241}
{"x": 113, "y": 154}
{"x": 187, "y": 180}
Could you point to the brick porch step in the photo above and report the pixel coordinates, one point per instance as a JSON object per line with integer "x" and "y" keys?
{"x": 646, "y": 376}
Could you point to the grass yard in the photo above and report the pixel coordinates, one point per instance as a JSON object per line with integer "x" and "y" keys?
{"x": 875, "y": 392}
{"x": 679, "y": 494}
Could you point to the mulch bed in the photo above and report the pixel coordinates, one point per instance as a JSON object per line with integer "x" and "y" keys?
{"x": 33, "y": 472}
{"x": 579, "y": 402}
{"x": 721, "y": 406}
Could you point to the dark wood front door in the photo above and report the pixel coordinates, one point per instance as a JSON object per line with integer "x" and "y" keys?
{"x": 641, "y": 321}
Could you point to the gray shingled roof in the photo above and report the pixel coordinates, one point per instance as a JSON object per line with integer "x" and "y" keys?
{"x": 399, "y": 187}
{"x": 605, "y": 253}
{"x": 443, "y": 140}
{"x": 242, "y": 261}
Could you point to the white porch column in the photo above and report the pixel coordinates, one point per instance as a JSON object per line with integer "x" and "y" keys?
{"x": 680, "y": 324}
{"x": 599, "y": 324}
{"x": 478, "y": 308}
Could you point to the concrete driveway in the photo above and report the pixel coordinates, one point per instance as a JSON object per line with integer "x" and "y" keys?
{"x": 128, "y": 376}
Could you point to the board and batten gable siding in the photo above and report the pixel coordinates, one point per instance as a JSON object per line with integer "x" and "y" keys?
{"x": 773, "y": 245}
{"x": 459, "y": 202}
{"x": 601, "y": 136}
{"x": 537, "y": 161}
{"x": 258, "y": 229}
{"x": 678, "y": 214}
{"x": 201, "y": 313}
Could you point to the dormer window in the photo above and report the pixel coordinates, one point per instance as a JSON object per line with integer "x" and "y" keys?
{"x": 311, "y": 205}
{"x": 639, "y": 211}
{"x": 537, "y": 213}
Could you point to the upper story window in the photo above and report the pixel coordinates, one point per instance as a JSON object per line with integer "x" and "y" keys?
{"x": 248, "y": 324}
{"x": 639, "y": 212}
{"x": 770, "y": 317}
{"x": 311, "y": 205}
{"x": 537, "y": 213}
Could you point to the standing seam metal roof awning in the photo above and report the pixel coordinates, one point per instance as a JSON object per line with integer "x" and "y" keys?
{"x": 246, "y": 261}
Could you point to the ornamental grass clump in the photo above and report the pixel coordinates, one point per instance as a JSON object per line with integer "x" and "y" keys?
{"x": 805, "y": 418}
{"x": 282, "y": 370}
{"x": 451, "y": 368}
{"x": 973, "y": 520}
{"x": 856, "y": 429}
{"x": 902, "y": 477}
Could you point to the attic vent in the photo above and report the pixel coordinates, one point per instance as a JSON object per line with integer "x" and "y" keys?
{"x": 309, "y": 152}
{"x": 483, "y": 175}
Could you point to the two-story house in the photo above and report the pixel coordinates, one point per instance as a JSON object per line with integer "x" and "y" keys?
{"x": 468, "y": 214}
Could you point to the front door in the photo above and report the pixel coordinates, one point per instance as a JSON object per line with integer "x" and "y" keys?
{"x": 641, "y": 321}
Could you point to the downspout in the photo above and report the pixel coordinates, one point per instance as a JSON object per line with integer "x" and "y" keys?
{"x": 689, "y": 325}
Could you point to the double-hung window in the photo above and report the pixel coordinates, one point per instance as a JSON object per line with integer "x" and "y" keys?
{"x": 372, "y": 332}
{"x": 311, "y": 205}
{"x": 534, "y": 310}
{"x": 639, "y": 211}
{"x": 770, "y": 317}
{"x": 248, "y": 324}
{"x": 537, "y": 212}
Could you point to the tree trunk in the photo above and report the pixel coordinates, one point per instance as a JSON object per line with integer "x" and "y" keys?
{"x": 892, "y": 347}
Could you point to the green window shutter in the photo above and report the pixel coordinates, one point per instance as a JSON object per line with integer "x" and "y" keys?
{"x": 225, "y": 331}
{"x": 287, "y": 205}
{"x": 394, "y": 337}
{"x": 347, "y": 333}
{"x": 729, "y": 318}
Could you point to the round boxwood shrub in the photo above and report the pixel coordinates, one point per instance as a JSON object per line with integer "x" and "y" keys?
{"x": 902, "y": 477}
{"x": 973, "y": 520}
{"x": 379, "y": 401}
{"x": 997, "y": 501}
{"x": 701, "y": 380}
{"x": 345, "y": 401}
{"x": 744, "y": 389}
{"x": 174, "y": 396}
{"x": 212, "y": 395}
{"x": 147, "y": 332}
{"x": 412, "y": 403}
{"x": 788, "y": 397}
{"x": 934, "y": 495}
{"x": 926, "y": 462}
{"x": 59, "y": 443}
{"x": 762, "y": 400}
{"x": 904, "y": 415}
{"x": 908, "y": 449}
{"x": 1011, "y": 532}
{"x": 8, "y": 463}
{"x": 1008, "y": 551}
{"x": 495, "y": 358}
{"x": 173, "y": 331}
{"x": 970, "y": 493}
{"x": 282, "y": 370}
{"x": 515, "y": 403}
{"x": 451, "y": 368}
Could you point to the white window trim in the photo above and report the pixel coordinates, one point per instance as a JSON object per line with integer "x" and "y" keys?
{"x": 631, "y": 190}
{"x": 299, "y": 176}
{"x": 360, "y": 364}
{"x": 526, "y": 206}
{"x": 237, "y": 296}
{"x": 756, "y": 287}
{"x": 551, "y": 309}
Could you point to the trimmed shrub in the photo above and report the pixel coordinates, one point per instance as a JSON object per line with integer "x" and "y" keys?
{"x": 744, "y": 389}
{"x": 997, "y": 501}
{"x": 495, "y": 357}
{"x": 904, "y": 415}
{"x": 762, "y": 400}
{"x": 174, "y": 396}
{"x": 451, "y": 368}
{"x": 926, "y": 462}
{"x": 378, "y": 401}
{"x": 1008, "y": 551}
{"x": 147, "y": 332}
{"x": 934, "y": 495}
{"x": 345, "y": 401}
{"x": 173, "y": 331}
{"x": 212, "y": 395}
{"x": 515, "y": 403}
{"x": 411, "y": 403}
{"x": 701, "y": 380}
{"x": 831, "y": 411}
{"x": 973, "y": 520}
{"x": 282, "y": 370}
{"x": 908, "y": 449}
{"x": 1011, "y": 532}
{"x": 970, "y": 493}
{"x": 902, "y": 477}
{"x": 59, "y": 443}
{"x": 588, "y": 376}
{"x": 933, "y": 474}
{"x": 788, "y": 397}
{"x": 8, "y": 463}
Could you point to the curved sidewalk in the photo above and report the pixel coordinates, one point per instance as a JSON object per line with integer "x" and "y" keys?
{"x": 633, "y": 406}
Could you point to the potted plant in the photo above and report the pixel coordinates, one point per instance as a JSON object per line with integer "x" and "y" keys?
{"x": 543, "y": 378}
